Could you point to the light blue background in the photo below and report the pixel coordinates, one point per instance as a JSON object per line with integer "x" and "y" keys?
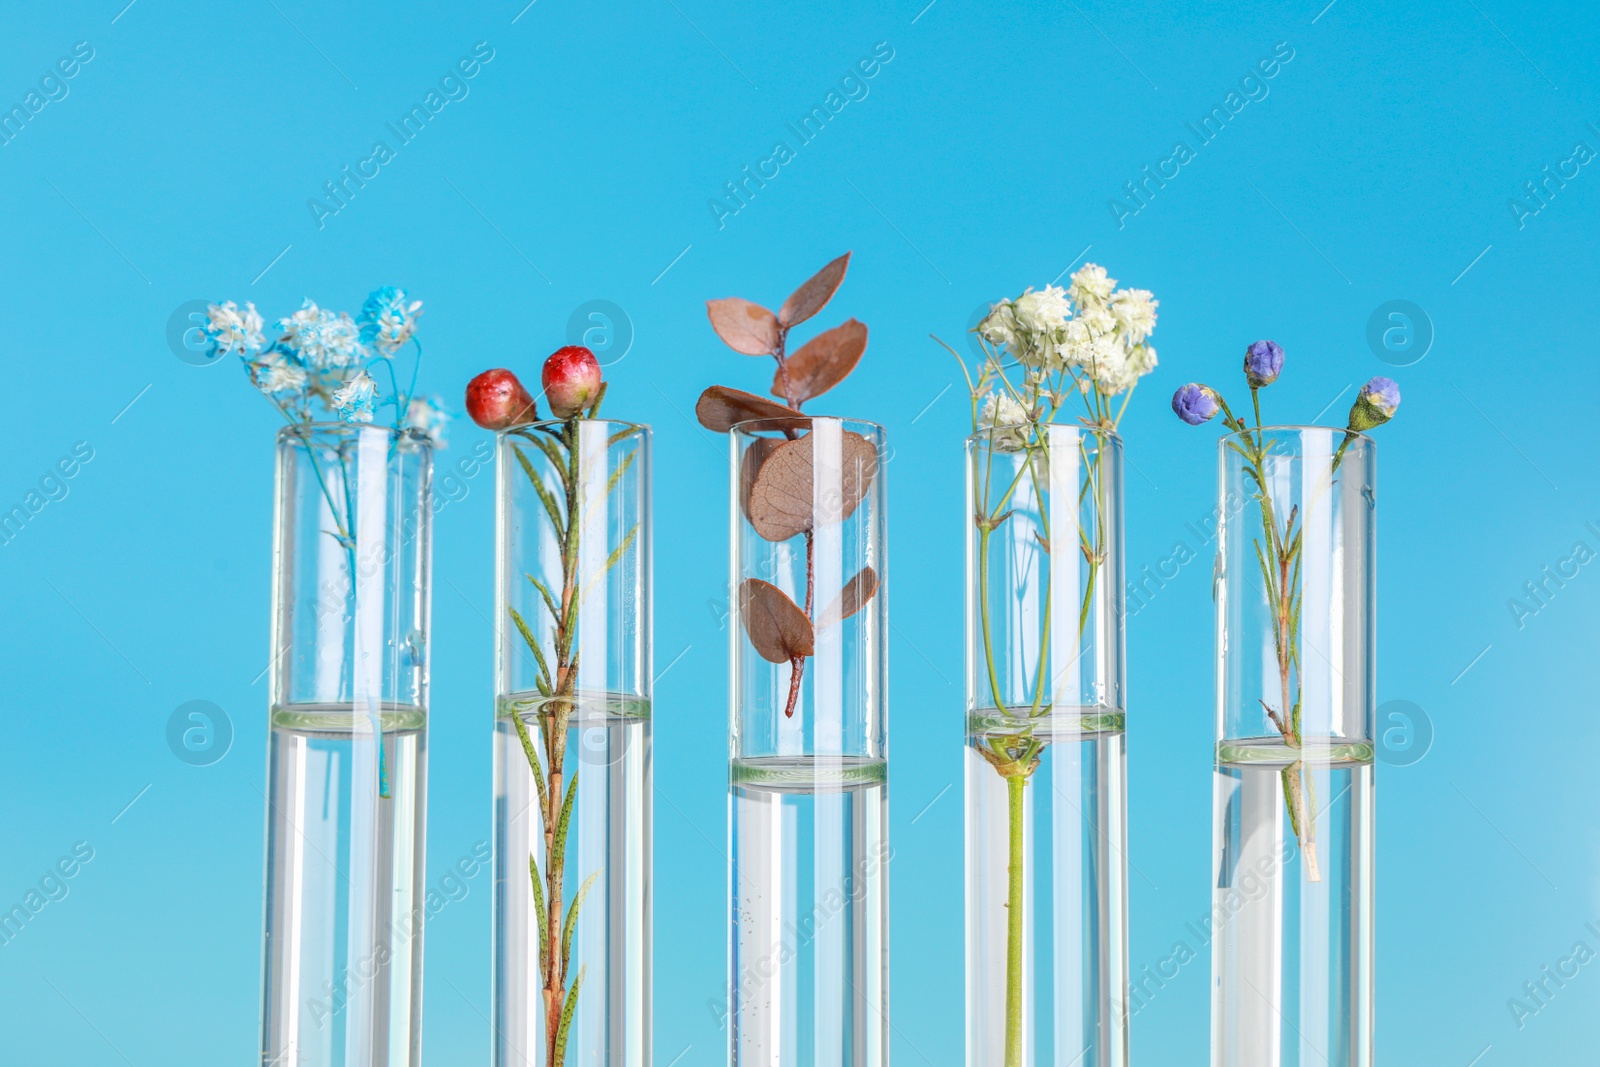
{"x": 1379, "y": 167}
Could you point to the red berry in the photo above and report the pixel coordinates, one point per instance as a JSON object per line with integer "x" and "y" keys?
{"x": 571, "y": 380}
{"x": 497, "y": 401}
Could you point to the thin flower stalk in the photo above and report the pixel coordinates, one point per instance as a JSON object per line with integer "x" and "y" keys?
{"x": 1088, "y": 342}
{"x": 1279, "y": 554}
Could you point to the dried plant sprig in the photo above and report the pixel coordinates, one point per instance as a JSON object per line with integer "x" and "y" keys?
{"x": 328, "y": 357}
{"x": 573, "y": 386}
{"x": 776, "y": 476}
{"x": 1280, "y": 557}
{"x": 1038, "y": 352}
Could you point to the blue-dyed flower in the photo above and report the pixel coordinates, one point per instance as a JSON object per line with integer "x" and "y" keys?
{"x": 1195, "y": 403}
{"x": 1376, "y": 404}
{"x": 275, "y": 374}
{"x": 1262, "y": 362}
{"x": 322, "y": 340}
{"x": 356, "y": 399}
{"x": 230, "y": 328}
{"x": 387, "y": 321}
{"x": 426, "y": 415}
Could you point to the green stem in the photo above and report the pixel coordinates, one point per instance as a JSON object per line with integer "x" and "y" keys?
{"x": 1016, "y": 801}
{"x": 983, "y": 615}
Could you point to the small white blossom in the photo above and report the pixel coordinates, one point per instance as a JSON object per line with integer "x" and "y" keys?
{"x": 322, "y": 340}
{"x": 1135, "y": 312}
{"x": 232, "y": 329}
{"x": 999, "y": 327}
{"x": 1090, "y": 286}
{"x": 1044, "y": 312}
{"x": 1006, "y": 422}
{"x": 388, "y": 320}
{"x": 277, "y": 374}
{"x": 357, "y": 399}
{"x": 426, "y": 415}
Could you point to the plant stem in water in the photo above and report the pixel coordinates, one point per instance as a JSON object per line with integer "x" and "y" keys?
{"x": 1016, "y": 800}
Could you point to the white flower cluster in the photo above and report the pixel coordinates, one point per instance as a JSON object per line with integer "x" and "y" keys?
{"x": 321, "y": 355}
{"x": 324, "y": 340}
{"x": 1092, "y": 329}
{"x": 1005, "y": 421}
{"x": 232, "y": 328}
{"x": 357, "y": 399}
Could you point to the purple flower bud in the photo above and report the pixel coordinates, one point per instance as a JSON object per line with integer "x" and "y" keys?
{"x": 1262, "y": 362}
{"x": 1376, "y": 404}
{"x": 1195, "y": 403}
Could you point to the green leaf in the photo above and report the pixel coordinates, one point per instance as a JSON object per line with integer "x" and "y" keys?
{"x": 533, "y": 762}
{"x": 1288, "y": 797}
{"x": 549, "y": 598}
{"x": 533, "y": 646}
{"x": 567, "y": 1011}
{"x": 544, "y": 921}
{"x": 558, "y": 846}
{"x": 552, "y": 452}
{"x": 621, "y": 550}
{"x": 622, "y": 468}
{"x": 549, "y": 501}
{"x": 572, "y": 920}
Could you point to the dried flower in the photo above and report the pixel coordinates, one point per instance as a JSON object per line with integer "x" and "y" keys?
{"x": 496, "y": 400}
{"x": 1376, "y": 404}
{"x": 1005, "y": 421}
{"x": 275, "y": 374}
{"x": 571, "y": 380}
{"x": 233, "y": 330}
{"x": 1195, "y": 403}
{"x": 1262, "y": 362}
{"x": 357, "y": 399}
{"x": 1135, "y": 312}
{"x": 1091, "y": 286}
{"x": 387, "y": 321}
{"x": 322, "y": 340}
{"x": 426, "y": 415}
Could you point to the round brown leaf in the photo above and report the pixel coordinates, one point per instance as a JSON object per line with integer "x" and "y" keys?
{"x": 776, "y": 626}
{"x": 822, "y": 363}
{"x": 719, "y": 408}
{"x": 750, "y": 465}
{"x": 745, "y": 327}
{"x": 811, "y": 297}
{"x": 851, "y": 599}
{"x": 781, "y": 496}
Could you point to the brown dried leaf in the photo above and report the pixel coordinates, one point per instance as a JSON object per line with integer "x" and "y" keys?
{"x": 851, "y": 599}
{"x": 754, "y": 456}
{"x": 746, "y": 327}
{"x": 719, "y": 408}
{"x": 811, "y": 297}
{"x": 776, "y": 626}
{"x": 822, "y": 363}
{"x": 780, "y": 499}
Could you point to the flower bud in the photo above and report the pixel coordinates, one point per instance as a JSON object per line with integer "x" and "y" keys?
{"x": 496, "y": 400}
{"x": 1262, "y": 362}
{"x": 1376, "y": 404}
{"x": 1195, "y": 403}
{"x": 571, "y": 380}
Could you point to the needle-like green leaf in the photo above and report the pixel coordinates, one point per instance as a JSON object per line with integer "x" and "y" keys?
{"x": 544, "y": 921}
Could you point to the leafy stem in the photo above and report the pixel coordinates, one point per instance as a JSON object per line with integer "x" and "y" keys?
{"x": 562, "y": 504}
{"x": 1279, "y": 560}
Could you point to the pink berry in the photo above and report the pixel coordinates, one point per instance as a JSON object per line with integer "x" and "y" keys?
{"x": 497, "y": 401}
{"x": 571, "y": 380}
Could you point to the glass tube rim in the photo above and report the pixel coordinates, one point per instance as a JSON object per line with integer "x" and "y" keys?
{"x": 751, "y": 427}
{"x": 303, "y": 432}
{"x": 980, "y": 438}
{"x": 1287, "y": 429}
{"x": 641, "y": 429}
